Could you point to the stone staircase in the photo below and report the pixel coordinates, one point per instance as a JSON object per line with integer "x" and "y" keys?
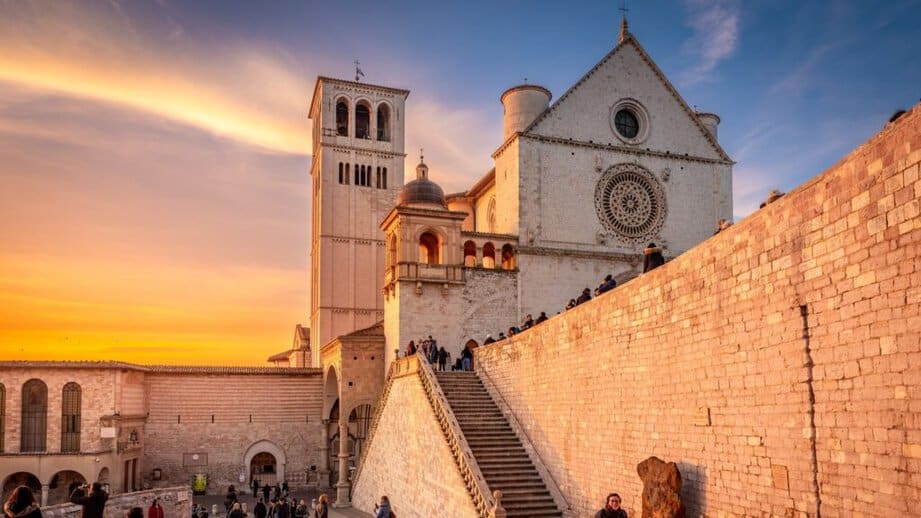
{"x": 499, "y": 453}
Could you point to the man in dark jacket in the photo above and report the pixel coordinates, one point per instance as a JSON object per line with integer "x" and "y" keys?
{"x": 93, "y": 503}
{"x": 585, "y": 297}
{"x": 652, "y": 258}
{"x": 259, "y": 510}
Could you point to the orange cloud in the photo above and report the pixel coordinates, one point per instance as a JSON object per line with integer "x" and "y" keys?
{"x": 91, "y": 51}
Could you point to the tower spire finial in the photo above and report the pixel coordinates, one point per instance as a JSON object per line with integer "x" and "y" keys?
{"x": 624, "y": 28}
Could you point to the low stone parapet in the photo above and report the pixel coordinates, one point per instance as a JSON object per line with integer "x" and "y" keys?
{"x": 176, "y": 501}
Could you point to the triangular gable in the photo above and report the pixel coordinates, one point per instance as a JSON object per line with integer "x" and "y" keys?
{"x": 561, "y": 102}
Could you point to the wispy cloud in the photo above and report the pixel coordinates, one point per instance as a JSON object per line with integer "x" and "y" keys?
{"x": 803, "y": 75}
{"x": 247, "y": 91}
{"x": 715, "y": 26}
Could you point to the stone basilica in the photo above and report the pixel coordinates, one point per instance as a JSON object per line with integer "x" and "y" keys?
{"x": 780, "y": 376}
{"x": 578, "y": 189}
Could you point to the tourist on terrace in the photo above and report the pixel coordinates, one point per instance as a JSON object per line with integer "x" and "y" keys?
{"x": 410, "y": 348}
{"x": 608, "y": 284}
{"x": 21, "y": 504}
{"x": 585, "y": 297}
{"x": 528, "y": 322}
{"x": 382, "y": 510}
{"x": 572, "y": 304}
{"x": 501, "y": 336}
{"x": 155, "y": 510}
{"x": 93, "y": 502}
{"x": 652, "y": 258}
{"x": 541, "y": 318}
{"x": 612, "y": 508}
{"x": 489, "y": 340}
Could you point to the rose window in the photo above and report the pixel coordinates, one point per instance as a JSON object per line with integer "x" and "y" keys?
{"x": 630, "y": 202}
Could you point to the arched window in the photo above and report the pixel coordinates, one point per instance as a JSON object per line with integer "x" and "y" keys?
{"x": 34, "y": 416}
{"x": 489, "y": 256}
{"x": 378, "y": 177}
{"x": 508, "y": 257}
{"x": 384, "y": 183}
{"x": 342, "y": 118}
{"x": 428, "y": 249}
{"x": 491, "y": 216}
{"x": 357, "y": 176}
{"x": 470, "y": 254}
{"x": 392, "y": 250}
{"x": 71, "y": 403}
{"x": 362, "y": 121}
{"x": 383, "y": 123}
{"x": 343, "y": 173}
{"x": 2, "y": 416}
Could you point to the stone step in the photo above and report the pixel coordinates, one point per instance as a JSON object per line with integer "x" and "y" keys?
{"x": 497, "y": 450}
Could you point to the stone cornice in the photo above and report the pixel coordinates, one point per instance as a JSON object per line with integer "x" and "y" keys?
{"x": 341, "y": 147}
{"x": 623, "y": 149}
{"x": 488, "y": 235}
{"x": 157, "y": 369}
{"x": 583, "y": 254}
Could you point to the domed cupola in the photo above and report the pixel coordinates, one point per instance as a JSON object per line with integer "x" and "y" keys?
{"x": 422, "y": 191}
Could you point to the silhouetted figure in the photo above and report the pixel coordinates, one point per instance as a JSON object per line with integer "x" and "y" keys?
{"x": 652, "y": 258}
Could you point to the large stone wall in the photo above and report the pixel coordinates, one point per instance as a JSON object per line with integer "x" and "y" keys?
{"x": 778, "y": 363}
{"x": 210, "y": 423}
{"x": 409, "y": 460}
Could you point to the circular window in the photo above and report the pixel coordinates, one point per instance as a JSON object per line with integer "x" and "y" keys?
{"x": 630, "y": 121}
{"x": 630, "y": 202}
{"x": 626, "y": 124}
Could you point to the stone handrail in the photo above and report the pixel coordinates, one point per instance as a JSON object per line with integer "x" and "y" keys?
{"x": 539, "y": 463}
{"x": 460, "y": 450}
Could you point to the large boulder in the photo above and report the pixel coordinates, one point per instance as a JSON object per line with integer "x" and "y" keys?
{"x": 661, "y": 484}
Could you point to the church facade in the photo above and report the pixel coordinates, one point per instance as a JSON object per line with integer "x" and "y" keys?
{"x": 578, "y": 189}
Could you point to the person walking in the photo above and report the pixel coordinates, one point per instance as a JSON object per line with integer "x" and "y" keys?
{"x": 255, "y": 485}
{"x": 21, "y": 504}
{"x": 466, "y": 358}
{"x": 382, "y": 510}
{"x": 266, "y": 489}
{"x": 301, "y": 510}
{"x": 92, "y": 501}
{"x": 236, "y": 511}
{"x": 322, "y": 509}
{"x": 442, "y": 358}
{"x": 260, "y": 510}
{"x": 611, "y": 508}
{"x": 155, "y": 510}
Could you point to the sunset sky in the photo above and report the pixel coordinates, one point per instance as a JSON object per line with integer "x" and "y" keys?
{"x": 154, "y": 157}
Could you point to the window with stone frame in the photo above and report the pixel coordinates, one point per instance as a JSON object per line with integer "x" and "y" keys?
{"x": 34, "y": 416}
{"x": 71, "y": 408}
{"x": 362, "y": 121}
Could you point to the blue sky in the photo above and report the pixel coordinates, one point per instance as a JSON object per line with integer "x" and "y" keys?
{"x": 155, "y": 155}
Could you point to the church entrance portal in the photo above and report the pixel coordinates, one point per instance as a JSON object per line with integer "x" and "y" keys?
{"x": 264, "y": 468}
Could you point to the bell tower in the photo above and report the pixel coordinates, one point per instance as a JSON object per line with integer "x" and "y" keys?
{"x": 355, "y": 176}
